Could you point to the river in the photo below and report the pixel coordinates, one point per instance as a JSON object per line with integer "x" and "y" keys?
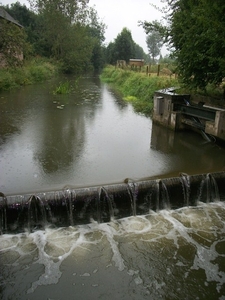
{"x": 89, "y": 137}
{"x": 92, "y": 137}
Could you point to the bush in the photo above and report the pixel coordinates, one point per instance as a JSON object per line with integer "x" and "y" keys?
{"x": 37, "y": 70}
{"x": 6, "y": 80}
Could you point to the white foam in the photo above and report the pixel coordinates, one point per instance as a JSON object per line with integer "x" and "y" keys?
{"x": 191, "y": 226}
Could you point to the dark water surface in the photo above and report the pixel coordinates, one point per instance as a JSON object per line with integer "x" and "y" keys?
{"x": 89, "y": 137}
{"x": 96, "y": 138}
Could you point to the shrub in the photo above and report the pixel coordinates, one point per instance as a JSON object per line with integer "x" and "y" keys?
{"x": 6, "y": 80}
{"x": 37, "y": 70}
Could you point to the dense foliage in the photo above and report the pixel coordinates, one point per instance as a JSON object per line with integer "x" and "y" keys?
{"x": 37, "y": 70}
{"x": 195, "y": 31}
{"x": 69, "y": 32}
{"x": 124, "y": 48}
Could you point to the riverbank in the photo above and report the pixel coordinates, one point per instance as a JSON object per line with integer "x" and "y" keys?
{"x": 35, "y": 70}
{"x": 136, "y": 87}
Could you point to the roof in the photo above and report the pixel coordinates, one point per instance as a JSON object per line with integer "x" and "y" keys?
{"x": 6, "y": 16}
{"x": 136, "y": 59}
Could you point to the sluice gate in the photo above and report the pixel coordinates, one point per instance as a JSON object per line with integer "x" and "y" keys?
{"x": 71, "y": 207}
{"x": 176, "y": 112}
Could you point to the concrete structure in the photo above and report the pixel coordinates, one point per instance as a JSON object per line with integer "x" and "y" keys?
{"x": 177, "y": 113}
{"x": 103, "y": 203}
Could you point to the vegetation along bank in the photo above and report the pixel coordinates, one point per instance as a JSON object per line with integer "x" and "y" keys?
{"x": 73, "y": 39}
{"x": 35, "y": 70}
{"x": 136, "y": 87}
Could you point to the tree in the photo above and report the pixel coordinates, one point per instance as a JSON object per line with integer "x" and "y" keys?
{"x": 139, "y": 53}
{"x": 201, "y": 55}
{"x": 57, "y": 16}
{"x": 124, "y": 46}
{"x": 110, "y": 53}
{"x": 70, "y": 32}
{"x": 96, "y": 31}
{"x": 154, "y": 43}
{"x": 76, "y": 50}
{"x": 66, "y": 30}
{"x": 196, "y": 33}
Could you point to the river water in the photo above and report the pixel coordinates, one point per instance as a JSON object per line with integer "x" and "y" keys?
{"x": 91, "y": 137}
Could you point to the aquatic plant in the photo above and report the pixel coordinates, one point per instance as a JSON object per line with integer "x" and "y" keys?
{"x": 66, "y": 87}
{"x": 63, "y": 88}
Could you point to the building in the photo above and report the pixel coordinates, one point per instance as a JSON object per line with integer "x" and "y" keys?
{"x": 17, "y": 54}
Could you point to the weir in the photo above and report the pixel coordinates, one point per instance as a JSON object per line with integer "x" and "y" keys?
{"x": 71, "y": 207}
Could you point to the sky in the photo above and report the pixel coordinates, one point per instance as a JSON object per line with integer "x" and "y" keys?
{"x": 119, "y": 14}
{"x": 126, "y": 13}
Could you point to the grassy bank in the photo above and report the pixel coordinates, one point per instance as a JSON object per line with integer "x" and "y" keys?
{"x": 136, "y": 87}
{"x": 36, "y": 70}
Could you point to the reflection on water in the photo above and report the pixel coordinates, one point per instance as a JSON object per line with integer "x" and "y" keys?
{"x": 90, "y": 137}
{"x": 167, "y": 255}
{"x": 190, "y": 152}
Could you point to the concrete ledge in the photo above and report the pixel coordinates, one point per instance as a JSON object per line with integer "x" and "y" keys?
{"x": 103, "y": 203}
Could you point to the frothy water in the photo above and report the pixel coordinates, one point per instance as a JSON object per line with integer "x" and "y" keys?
{"x": 170, "y": 254}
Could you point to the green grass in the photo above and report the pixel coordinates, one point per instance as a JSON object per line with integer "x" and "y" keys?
{"x": 36, "y": 70}
{"x": 135, "y": 87}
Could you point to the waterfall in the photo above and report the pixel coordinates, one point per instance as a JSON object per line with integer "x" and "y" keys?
{"x": 185, "y": 181}
{"x": 159, "y": 196}
{"x": 105, "y": 206}
{"x": 36, "y": 213}
{"x": 209, "y": 189}
{"x": 71, "y": 207}
{"x": 132, "y": 192}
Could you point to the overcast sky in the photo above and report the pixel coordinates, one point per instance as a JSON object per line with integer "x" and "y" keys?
{"x": 119, "y": 14}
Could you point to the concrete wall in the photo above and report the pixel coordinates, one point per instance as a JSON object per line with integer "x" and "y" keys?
{"x": 217, "y": 128}
{"x": 164, "y": 113}
{"x": 167, "y": 114}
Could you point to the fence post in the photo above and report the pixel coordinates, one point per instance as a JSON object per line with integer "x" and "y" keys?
{"x": 158, "y": 70}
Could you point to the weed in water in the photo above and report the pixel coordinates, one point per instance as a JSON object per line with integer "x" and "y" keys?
{"x": 63, "y": 88}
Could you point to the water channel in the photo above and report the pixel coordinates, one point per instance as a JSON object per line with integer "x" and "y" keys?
{"x": 92, "y": 137}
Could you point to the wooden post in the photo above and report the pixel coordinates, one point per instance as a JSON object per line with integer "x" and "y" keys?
{"x": 158, "y": 70}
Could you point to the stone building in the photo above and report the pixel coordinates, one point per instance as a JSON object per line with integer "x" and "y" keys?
{"x": 4, "y": 16}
